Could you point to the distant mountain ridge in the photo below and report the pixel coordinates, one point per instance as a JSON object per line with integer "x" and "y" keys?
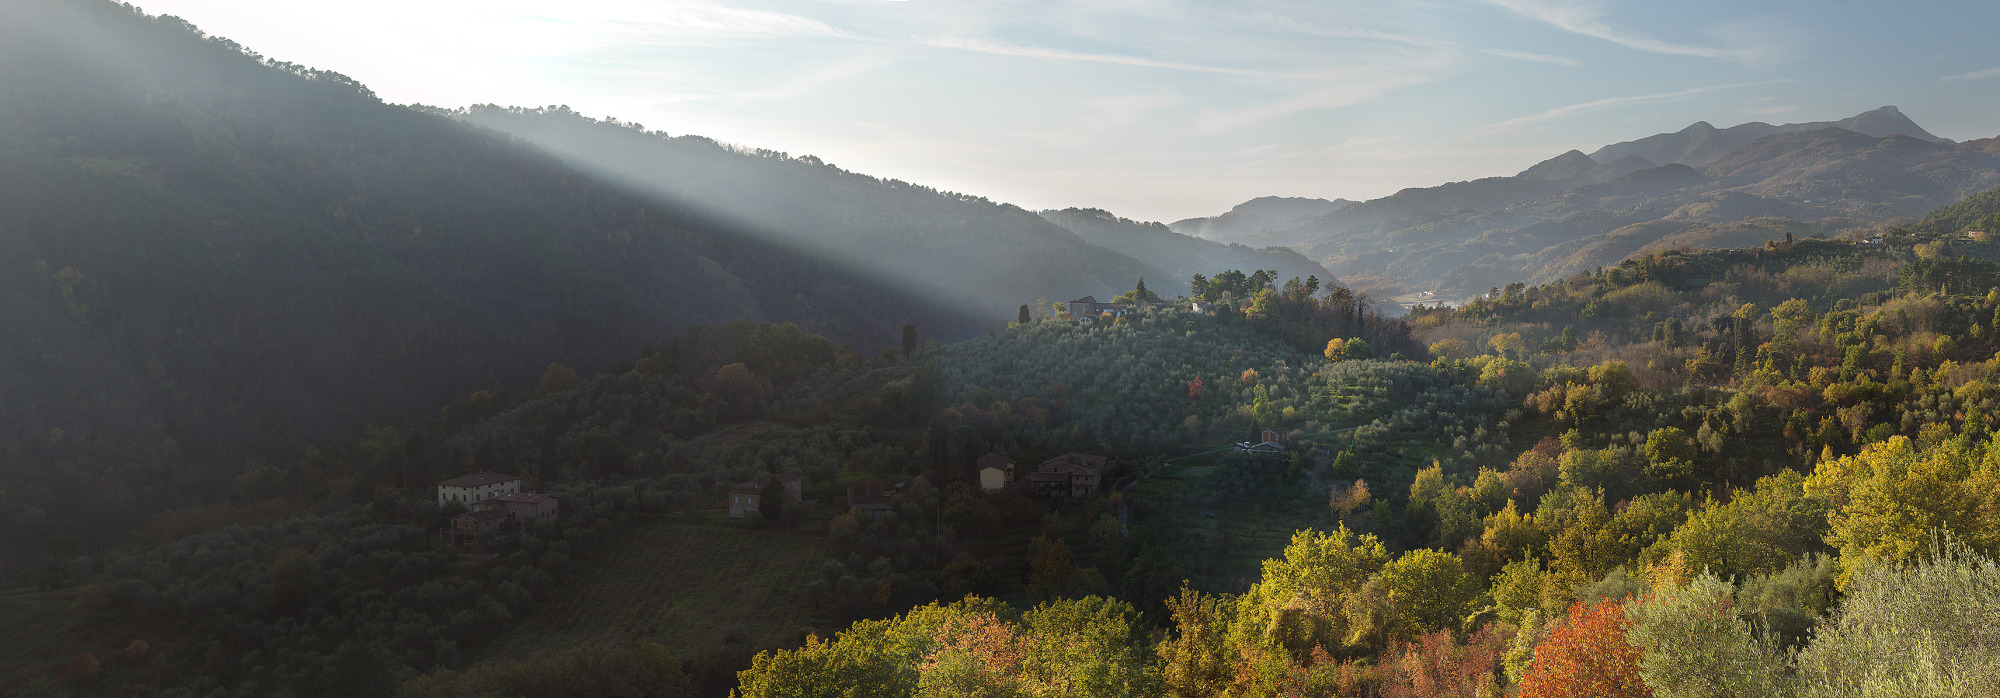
{"x": 1182, "y": 256}
{"x": 1707, "y": 186}
{"x": 1700, "y": 142}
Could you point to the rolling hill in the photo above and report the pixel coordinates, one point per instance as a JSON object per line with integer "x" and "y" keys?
{"x": 209, "y": 259}
{"x": 1182, "y": 256}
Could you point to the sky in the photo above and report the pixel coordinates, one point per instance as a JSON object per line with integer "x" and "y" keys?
{"x": 1156, "y": 109}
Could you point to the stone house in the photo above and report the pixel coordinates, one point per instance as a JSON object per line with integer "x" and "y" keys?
{"x": 865, "y": 500}
{"x": 469, "y": 488}
{"x": 1083, "y": 473}
{"x": 995, "y": 472}
{"x": 522, "y": 506}
{"x": 464, "y": 527}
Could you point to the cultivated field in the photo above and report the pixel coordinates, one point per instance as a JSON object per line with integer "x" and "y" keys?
{"x": 683, "y": 585}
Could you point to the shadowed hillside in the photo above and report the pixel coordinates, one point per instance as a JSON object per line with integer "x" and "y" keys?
{"x": 963, "y": 251}
{"x": 211, "y": 258}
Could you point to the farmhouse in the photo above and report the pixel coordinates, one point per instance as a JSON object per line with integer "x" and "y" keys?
{"x": 995, "y": 471}
{"x": 1088, "y": 308}
{"x": 744, "y": 500}
{"x": 464, "y": 527}
{"x": 866, "y": 501}
{"x": 1080, "y": 473}
{"x": 520, "y": 505}
{"x": 466, "y": 489}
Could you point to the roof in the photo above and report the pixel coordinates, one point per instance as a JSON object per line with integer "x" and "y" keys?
{"x": 1091, "y": 300}
{"x": 483, "y": 515}
{"x": 479, "y": 479}
{"x": 1076, "y": 460}
{"x": 1048, "y": 477}
{"x": 748, "y": 488}
{"x": 995, "y": 461}
{"x": 869, "y": 503}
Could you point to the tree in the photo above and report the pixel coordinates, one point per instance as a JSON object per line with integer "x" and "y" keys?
{"x": 909, "y": 338}
{"x": 1925, "y": 629}
{"x": 1336, "y": 350}
{"x": 1195, "y": 387}
{"x": 295, "y": 581}
{"x": 772, "y": 500}
{"x": 1670, "y": 454}
{"x": 1026, "y": 317}
{"x": 558, "y": 378}
{"x": 1693, "y": 645}
{"x": 1430, "y": 590}
{"x": 1196, "y": 660}
{"x": 82, "y": 668}
{"x": 1587, "y": 657}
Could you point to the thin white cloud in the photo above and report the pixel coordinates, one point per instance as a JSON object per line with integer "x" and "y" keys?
{"x": 1536, "y": 57}
{"x": 1353, "y": 85}
{"x": 1007, "y": 49}
{"x": 1586, "y": 17}
{"x": 1767, "y": 106}
{"x": 1974, "y": 75}
{"x": 701, "y": 20}
{"x": 1520, "y": 123}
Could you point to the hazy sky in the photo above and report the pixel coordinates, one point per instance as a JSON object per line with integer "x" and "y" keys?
{"x": 1156, "y": 109}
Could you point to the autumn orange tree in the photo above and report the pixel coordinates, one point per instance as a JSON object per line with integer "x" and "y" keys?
{"x": 1586, "y": 656}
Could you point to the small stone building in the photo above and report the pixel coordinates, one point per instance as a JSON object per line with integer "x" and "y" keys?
{"x": 745, "y": 500}
{"x": 865, "y": 500}
{"x": 464, "y": 527}
{"x": 521, "y": 506}
{"x": 469, "y": 488}
{"x": 995, "y": 472}
{"x": 1083, "y": 473}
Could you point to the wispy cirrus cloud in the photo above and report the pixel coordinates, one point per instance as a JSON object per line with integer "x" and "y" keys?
{"x": 1974, "y": 75}
{"x": 1588, "y": 18}
{"x": 1536, "y": 57}
{"x": 1521, "y": 123}
{"x": 1003, "y": 48}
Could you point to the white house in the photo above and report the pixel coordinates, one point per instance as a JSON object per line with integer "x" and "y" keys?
{"x": 466, "y": 489}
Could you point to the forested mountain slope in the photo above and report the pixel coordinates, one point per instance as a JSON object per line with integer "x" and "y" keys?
{"x": 1462, "y": 238}
{"x": 961, "y": 251}
{"x": 1180, "y": 255}
{"x": 208, "y": 259}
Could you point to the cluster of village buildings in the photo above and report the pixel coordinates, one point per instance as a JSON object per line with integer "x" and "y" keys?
{"x": 493, "y": 501}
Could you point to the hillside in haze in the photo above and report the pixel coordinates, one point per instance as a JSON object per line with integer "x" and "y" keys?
{"x": 1181, "y": 256}
{"x": 1576, "y": 212}
{"x": 209, "y": 260}
{"x": 961, "y": 251}
{"x": 1249, "y": 222}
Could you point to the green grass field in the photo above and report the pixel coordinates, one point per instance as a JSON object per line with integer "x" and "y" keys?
{"x": 680, "y": 584}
